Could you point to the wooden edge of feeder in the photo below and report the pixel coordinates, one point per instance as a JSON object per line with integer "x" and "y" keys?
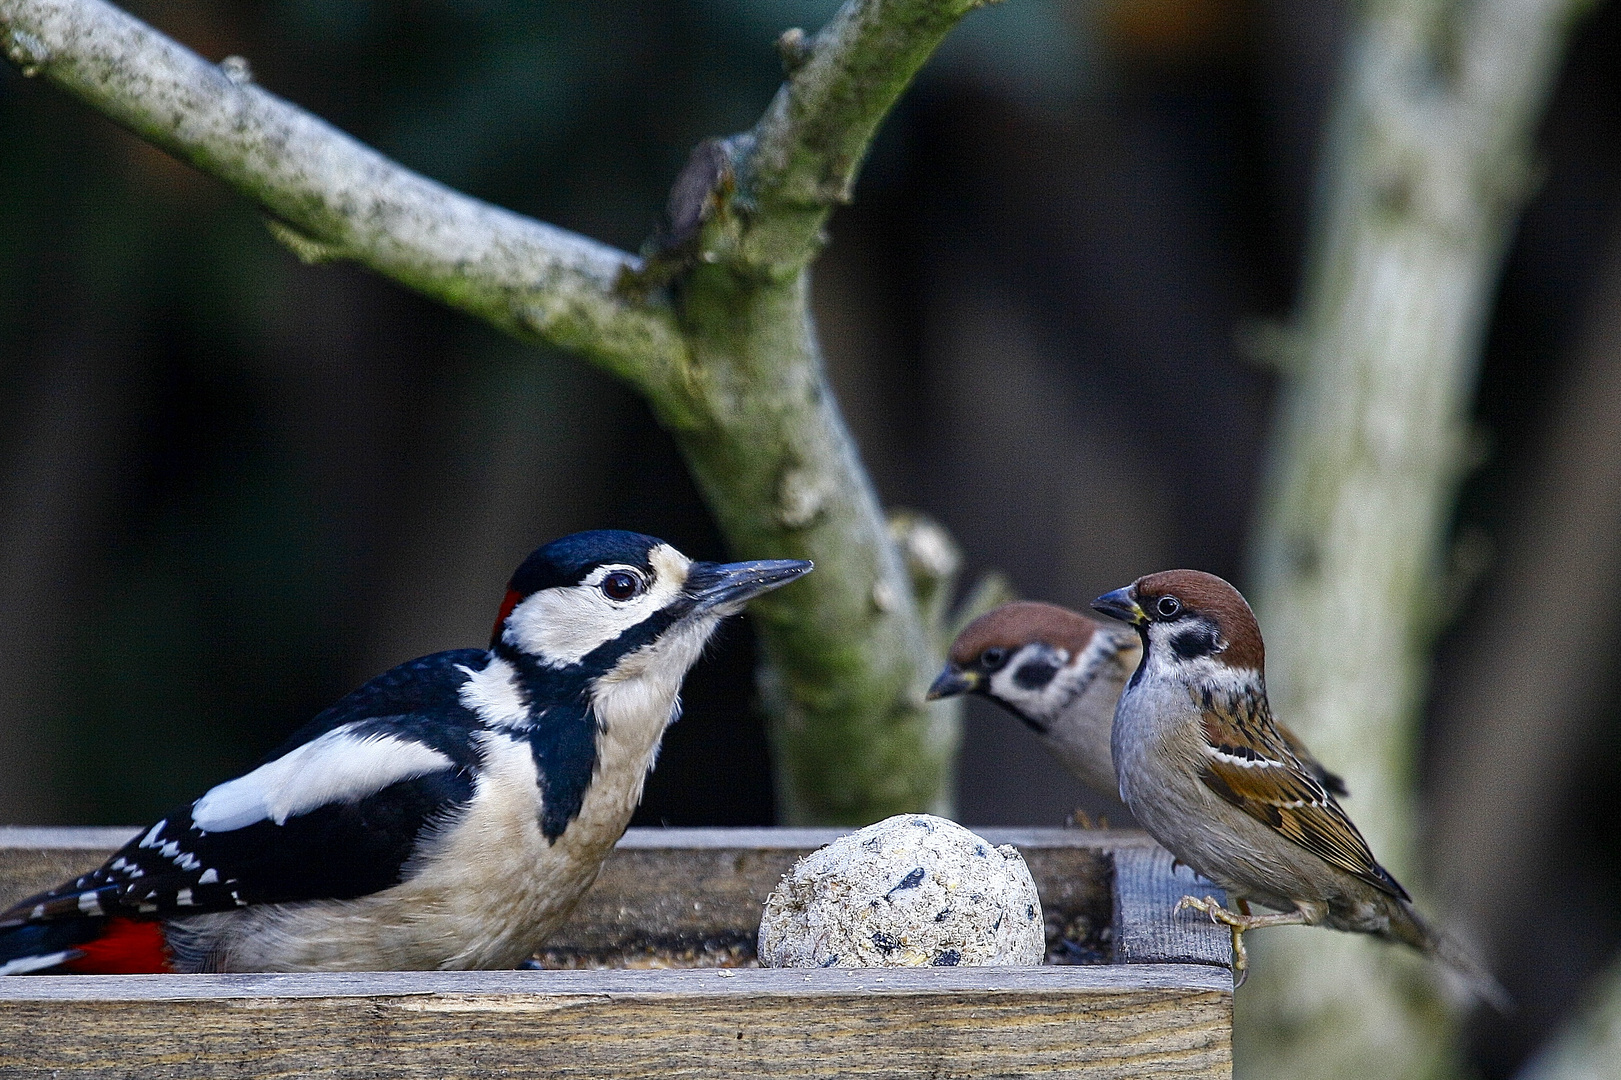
{"x": 1083, "y": 1023}
{"x": 1147, "y": 927}
{"x": 66, "y": 837}
{"x": 704, "y": 982}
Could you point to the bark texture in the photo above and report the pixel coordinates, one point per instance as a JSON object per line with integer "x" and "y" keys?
{"x": 713, "y": 327}
{"x": 1426, "y": 166}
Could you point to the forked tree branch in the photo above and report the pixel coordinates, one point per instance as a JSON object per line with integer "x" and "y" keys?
{"x": 713, "y": 328}
{"x": 802, "y": 157}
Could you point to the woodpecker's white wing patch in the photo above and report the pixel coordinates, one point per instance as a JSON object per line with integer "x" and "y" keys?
{"x": 24, "y": 965}
{"x": 562, "y": 626}
{"x": 338, "y": 767}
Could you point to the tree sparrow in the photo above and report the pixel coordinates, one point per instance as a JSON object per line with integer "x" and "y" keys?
{"x": 1205, "y": 770}
{"x": 1061, "y": 673}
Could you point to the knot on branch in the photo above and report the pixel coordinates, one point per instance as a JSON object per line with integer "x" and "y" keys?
{"x": 932, "y": 560}
{"x": 26, "y": 51}
{"x": 699, "y": 196}
{"x": 309, "y": 251}
{"x": 801, "y": 495}
{"x": 795, "y": 50}
{"x": 699, "y": 191}
{"x": 237, "y": 70}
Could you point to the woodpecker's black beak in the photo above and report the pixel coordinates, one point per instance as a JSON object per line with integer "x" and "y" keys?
{"x": 729, "y": 586}
{"x": 953, "y": 681}
{"x": 1121, "y": 605}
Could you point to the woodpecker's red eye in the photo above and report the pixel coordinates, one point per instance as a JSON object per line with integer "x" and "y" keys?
{"x": 621, "y": 585}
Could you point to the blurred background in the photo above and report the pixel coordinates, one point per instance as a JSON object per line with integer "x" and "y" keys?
{"x": 232, "y": 487}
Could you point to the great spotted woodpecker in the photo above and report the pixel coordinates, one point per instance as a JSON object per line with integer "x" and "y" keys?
{"x": 448, "y": 814}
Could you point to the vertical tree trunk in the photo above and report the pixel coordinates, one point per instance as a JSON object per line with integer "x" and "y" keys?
{"x": 854, "y": 739}
{"x": 1425, "y": 169}
{"x": 1532, "y": 690}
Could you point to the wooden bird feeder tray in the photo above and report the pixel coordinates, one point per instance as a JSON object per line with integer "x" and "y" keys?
{"x": 656, "y": 980}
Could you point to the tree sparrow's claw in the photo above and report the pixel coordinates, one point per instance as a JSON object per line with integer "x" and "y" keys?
{"x": 1237, "y": 924}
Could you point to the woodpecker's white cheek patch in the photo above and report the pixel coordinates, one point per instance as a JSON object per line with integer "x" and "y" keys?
{"x": 338, "y": 767}
{"x": 562, "y": 626}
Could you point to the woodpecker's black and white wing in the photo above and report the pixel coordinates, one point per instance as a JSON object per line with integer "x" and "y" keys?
{"x": 334, "y": 813}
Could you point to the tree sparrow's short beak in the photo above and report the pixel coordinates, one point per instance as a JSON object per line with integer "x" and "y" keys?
{"x": 953, "y": 681}
{"x": 1122, "y": 605}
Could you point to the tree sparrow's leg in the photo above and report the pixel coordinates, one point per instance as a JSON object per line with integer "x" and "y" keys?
{"x": 1238, "y": 924}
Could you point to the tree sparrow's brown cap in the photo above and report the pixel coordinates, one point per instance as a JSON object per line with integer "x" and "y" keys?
{"x": 1172, "y": 596}
{"x": 1009, "y": 628}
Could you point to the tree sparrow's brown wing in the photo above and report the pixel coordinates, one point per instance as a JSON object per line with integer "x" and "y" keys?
{"x": 1249, "y": 764}
{"x": 1332, "y": 781}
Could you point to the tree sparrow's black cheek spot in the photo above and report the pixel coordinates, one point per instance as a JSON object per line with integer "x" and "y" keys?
{"x": 1034, "y": 675}
{"x": 1195, "y": 641}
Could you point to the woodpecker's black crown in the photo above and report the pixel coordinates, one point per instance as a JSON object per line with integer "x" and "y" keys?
{"x": 567, "y": 560}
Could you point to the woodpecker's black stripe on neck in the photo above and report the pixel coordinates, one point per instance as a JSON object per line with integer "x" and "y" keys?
{"x": 563, "y": 736}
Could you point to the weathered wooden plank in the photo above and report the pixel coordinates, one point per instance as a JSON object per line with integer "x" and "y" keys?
{"x": 1093, "y": 1023}
{"x": 675, "y": 885}
{"x": 1146, "y": 889}
{"x": 82, "y": 837}
{"x": 707, "y": 982}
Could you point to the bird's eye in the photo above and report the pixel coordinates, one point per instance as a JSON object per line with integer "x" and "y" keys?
{"x": 1168, "y": 606}
{"x": 621, "y": 585}
{"x": 992, "y": 658}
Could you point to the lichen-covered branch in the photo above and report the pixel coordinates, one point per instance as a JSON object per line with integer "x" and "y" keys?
{"x": 714, "y": 328}
{"x": 1426, "y": 167}
{"x": 528, "y": 278}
